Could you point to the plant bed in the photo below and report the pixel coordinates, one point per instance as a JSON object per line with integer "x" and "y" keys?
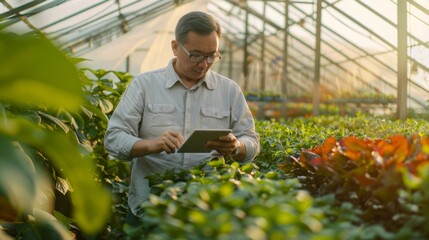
{"x": 385, "y": 179}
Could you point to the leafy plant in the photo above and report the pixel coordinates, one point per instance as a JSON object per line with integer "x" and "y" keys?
{"x": 225, "y": 200}
{"x": 377, "y": 176}
{"x": 36, "y": 97}
{"x": 103, "y": 90}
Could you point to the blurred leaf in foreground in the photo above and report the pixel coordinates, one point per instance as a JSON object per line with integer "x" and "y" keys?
{"x": 32, "y": 70}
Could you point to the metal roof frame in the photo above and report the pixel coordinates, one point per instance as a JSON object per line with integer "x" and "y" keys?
{"x": 264, "y": 42}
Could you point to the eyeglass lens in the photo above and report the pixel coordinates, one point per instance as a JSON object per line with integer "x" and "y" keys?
{"x": 199, "y": 57}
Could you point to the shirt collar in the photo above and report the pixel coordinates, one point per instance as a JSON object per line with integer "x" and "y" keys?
{"x": 173, "y": 78}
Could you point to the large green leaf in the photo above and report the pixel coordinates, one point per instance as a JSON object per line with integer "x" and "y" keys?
{"x": 90, "y": 110}
{"x": 91, "y": 201}
{"x": 17, "y": 181}
{"x": 55, "y": 120}
{"x": 105, "y": 105}
{"x": 32, "y": 70}
{"x": 44, "y": 227}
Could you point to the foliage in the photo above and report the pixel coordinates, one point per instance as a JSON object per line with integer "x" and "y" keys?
{"x": 280, "y": 110}
{"x": 209, "y": 204}
{"x": 104, "y": 89}
{"x": 40, "y": 134}
{"x": 285, "y": 138}
{"x": 233, "y": 201}
{"x": 383, "y": 178}
{"x": 362, "y": 96}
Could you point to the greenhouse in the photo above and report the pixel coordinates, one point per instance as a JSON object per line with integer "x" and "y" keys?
{"x": 337, "y": 92}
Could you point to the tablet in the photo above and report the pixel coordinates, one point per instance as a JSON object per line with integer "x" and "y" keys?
{"x": 198, "y": 139}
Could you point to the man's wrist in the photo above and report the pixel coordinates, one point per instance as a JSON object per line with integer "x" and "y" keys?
{"x": 236, "y": 150}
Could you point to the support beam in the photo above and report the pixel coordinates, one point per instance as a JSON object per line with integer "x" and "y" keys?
{"x": 16, "y": 11}
{"x": 230, "y": 57}
{"x": 285, "y": 50}
{"x": 262, "y": 61}
{"x": 246, "y": 53}
{"x": 285, "y": 80}
{"x": 402, "y": 60}
{"x": 316, "y": 82}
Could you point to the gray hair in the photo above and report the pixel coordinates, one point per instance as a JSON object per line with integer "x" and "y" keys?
{"x": 198, "y": 22}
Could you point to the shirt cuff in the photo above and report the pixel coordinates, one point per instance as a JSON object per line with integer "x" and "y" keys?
{"x": 125, "y": 150}
{"x": 251, "y": 150}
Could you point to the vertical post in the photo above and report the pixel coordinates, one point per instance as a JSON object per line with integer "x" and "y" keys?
{"x": 127, "y": 64}
{"x": 401, "y": 102}
{"x": 285, "y": 50}
{"x": 230, "y": 57}
{"x": 285, "y": 61}
{"x": 246, "y": 54}
{"x": 263, "y": 80}
{"x": 316, "y": 82}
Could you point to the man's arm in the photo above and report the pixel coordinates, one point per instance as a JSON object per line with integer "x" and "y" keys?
{"x": 169, "y": 142}
{"x": 123, "y": 126}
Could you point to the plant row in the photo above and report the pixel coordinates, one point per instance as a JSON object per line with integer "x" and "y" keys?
{"x": 344, "y": 180}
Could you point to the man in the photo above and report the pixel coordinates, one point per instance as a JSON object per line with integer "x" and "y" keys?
{"x": 161, "y": 108}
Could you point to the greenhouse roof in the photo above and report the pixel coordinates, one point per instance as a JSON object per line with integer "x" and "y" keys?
{"x": 358, "y": 40}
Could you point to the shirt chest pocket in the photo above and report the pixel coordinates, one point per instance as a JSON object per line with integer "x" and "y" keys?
{"x": 214, "y": 118}
{"x": 160, "y": 116}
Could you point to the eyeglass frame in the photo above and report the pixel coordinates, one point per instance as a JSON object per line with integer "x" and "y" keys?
{"x": 208, "y": 58}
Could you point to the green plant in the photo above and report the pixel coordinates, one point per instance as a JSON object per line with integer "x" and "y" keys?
{"x": 225, "y": 200}
{"x": 103, "y": 89}
{"x": 41, "y": 90}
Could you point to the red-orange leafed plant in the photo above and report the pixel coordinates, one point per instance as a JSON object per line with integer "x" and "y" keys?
{"x": 368, "y": 173}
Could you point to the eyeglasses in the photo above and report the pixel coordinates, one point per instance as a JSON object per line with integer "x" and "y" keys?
{"x": 199, "y": 57}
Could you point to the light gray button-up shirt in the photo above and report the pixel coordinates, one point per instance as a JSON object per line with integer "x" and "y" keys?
{"x": 157, "y": 101}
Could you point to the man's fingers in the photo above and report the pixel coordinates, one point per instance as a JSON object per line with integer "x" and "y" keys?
{"x": 171, "y": 141}
{"x": 177, "y": 136}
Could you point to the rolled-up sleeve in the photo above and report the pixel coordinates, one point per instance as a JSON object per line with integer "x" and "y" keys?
{"x": 252, "y": 148}
{"x": 244, "y": 125}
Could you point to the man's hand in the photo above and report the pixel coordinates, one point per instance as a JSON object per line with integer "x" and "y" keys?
{"x": 169, "y": 142}
{"x": 226, "y": 144}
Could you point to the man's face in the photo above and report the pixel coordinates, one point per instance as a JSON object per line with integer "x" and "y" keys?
{"x": 188, "y": 70}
